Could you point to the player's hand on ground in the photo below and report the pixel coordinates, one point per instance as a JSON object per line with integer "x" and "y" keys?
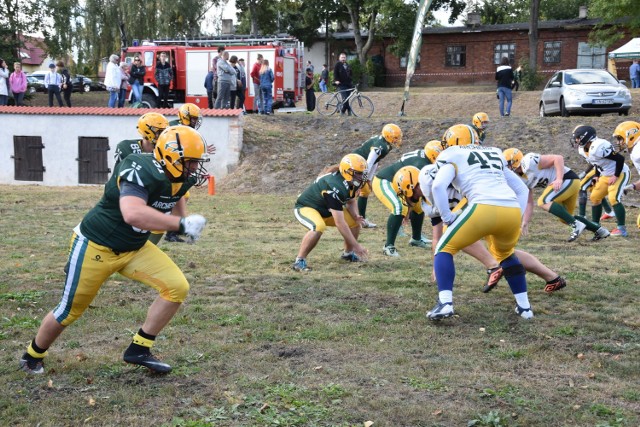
{"x": 361, "y": 252}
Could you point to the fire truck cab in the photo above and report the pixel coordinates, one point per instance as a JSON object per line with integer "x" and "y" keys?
{"x": 191, "y": 60}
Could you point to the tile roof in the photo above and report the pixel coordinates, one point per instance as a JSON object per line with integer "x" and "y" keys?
{"x": 33, "y": 50}
{"x": 105, "y": 111}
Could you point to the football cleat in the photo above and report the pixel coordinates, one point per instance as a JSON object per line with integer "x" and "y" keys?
{"x": 525, "y": 313}
{"x": 577, "y": 229}
{"x": 494, "y": 275}
{"x": 555, "y": 285}
{"x": 422, "y": 243}
{"x": 350, "y": 256}
{"x": 31, "y": 365}
{"x": 401, "y": 233}
{"x": 390, "y": 250}
{"x": 301, "y": 265}
{"x": 609, "y": 215}
{"x": 368, "y": 224}
{"x": 600, "y": 233}
{"x": 621, "y": 231}
{"x": 440, "y": 311}
{"x": 149, "y": 361}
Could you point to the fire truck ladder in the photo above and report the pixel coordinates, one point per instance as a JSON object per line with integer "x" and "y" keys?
{"x": 244, "y": 40}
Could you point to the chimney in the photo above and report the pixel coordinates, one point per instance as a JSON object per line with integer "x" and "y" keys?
{"x": 582, "y": 14}
{"x": 227, "y": 26}
{"x": 473, "y": 19}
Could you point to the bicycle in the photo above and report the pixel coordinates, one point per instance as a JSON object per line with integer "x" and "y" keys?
{"x": 330, "y": 103}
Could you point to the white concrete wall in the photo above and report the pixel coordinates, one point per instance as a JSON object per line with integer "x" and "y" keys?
{"x": 60, "y": 135}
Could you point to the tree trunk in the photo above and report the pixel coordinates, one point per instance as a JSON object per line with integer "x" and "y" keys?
{"x": 254, "y": 18}
{"x": 362, "y": 46}
{"x": 533, "y": 35}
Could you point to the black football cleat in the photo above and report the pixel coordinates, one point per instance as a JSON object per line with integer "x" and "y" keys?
{"x": 149, "y": 361}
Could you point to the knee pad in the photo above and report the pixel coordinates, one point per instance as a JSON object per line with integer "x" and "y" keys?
{"x": 512, "y": 267}
{"x": 176, "y": 293}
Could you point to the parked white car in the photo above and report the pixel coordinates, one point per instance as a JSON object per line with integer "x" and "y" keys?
{"x": 584, "y": 91}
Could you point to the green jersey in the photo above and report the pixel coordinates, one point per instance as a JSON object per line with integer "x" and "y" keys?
{"x": 126, "y": 147}
{"x": 330, "y": 191}
{"x": 378, "y": 145}
{"x": 481, "y": 133}
{"x": 415, "y": 158}
{"x": 104, "y": 223}
{"x": 175, "y": 122}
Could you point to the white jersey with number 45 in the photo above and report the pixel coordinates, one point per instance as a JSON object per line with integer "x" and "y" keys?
{"x": 480, "y": 174}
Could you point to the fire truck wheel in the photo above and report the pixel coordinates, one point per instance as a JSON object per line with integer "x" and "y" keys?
{"x": 149, "y": 100}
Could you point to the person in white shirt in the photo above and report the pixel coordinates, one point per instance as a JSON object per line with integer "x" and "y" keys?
{"x": 614, "y": 175}
{"x": 53, "y": 83}
{"x": 561, "y": 187}
{"x": 113, "y": 80}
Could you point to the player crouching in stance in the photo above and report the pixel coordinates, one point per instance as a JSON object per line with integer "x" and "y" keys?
{"x": 561, "y": 187}
{"x": 112, "y": 238}
{"x": 626, "y": 136}
{"x": 614, "y": 174}
{"x": 323, "y": 204}
{"x": 495, "y": 201}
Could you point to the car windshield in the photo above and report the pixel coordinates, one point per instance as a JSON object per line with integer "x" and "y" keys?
{"x": 589, "y": 77}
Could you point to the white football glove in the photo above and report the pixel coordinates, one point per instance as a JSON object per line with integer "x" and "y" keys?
{"x": 192, "y": 226}
{"x": 451, "y": 217}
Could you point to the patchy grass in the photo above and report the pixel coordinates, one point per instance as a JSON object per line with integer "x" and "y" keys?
{"x": 257, "y": 344}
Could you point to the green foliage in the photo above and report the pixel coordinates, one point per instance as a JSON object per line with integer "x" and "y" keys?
{"x": 357, "y": 70}
{"x": 516, "y": 11}
{"x": 530, "y": 79}
{"x": 618, "y": 18}
{"x": 492, "y": 419}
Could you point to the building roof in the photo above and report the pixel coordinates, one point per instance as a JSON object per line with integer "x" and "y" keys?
{"x": 33, "y": 51}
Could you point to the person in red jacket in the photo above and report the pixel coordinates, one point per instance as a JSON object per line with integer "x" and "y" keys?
{"x": 258, "y": 99}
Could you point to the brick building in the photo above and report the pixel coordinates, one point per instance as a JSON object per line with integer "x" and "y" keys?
{"x": 470, "y": 54}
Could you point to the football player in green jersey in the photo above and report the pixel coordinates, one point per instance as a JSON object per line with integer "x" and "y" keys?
{"x": 323, "y": 204}
{"x": 113, "y": 236}
{"x": 480, "y": 123}
{"x": 150, "y": 126}
{"x": 374, "y": 150}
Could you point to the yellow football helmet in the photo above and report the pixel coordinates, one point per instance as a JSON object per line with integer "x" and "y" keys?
{"x": 392, "y": 134}
{"x": 189, "y": 115}
{"x": 182, "y": 153}
{"x": 513, "y": 156}
{"x": 480, "y": 121}
{"x": 353, "y": 168}
{"x": 432, "y": 150}
{"x": 460, "y": 135}
{"x": 405, "y": 182}
{"x": 626, "y": 135}
{"x": 151, "y": 125}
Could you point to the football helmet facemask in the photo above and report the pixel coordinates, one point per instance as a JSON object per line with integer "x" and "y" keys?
{"x": 392, "y": 134}
{"x": 582, "y": 135}
{"x": 151, "y": 125}
{"x": 182, "y": 152}
{"x": 460, "y": 135}
{"x": 189, "y": 115}
{"x": 432, "y": 150}
{"x": 481, "y": 121}
{"x": 626, "y": 135}
{"x": 513, "y": 156}
{"x": 405, "y": 182}
{"x": 353, "y": 168}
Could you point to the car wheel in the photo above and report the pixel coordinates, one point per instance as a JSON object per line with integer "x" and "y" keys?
{"x": 563, "y": 109}
{"x": 149, "y": 100}
{"x": 623, "y": 113}
{"x": 542, "y": 112}
{"x": 87, "y": 87}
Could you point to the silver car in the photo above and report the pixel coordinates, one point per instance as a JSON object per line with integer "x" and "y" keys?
{"x": 584, "y": 91}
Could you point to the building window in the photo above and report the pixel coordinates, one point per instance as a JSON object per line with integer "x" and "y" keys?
{"x": 552, "y": 52}
{"x": 456, "y": 56}
{"x": 504, "y": 49}
{"x": 405, "y": 60}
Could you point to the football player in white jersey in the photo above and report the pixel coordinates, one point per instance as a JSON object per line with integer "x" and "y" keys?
{"x": 561, "y": 186}
{"x": 494, "y": 213}
{"x": 626, "y": 136}
{"x": 614, "y": 175}
{"x": 412, "y": 193}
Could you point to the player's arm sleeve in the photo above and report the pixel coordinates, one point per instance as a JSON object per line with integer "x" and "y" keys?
{"x": 332, "y": 202}
{"x": 519, "y": 187}
{"x": 130, "y": 189}
{"x": 371, "y": 161}
{"x": 445, "y": 175}
{"x": 619, "y": 159}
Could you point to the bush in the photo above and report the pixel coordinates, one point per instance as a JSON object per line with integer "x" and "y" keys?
{"x": 530, "y": 79}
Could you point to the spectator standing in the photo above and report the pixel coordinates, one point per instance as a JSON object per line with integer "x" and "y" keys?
{"x": 67, "y": 86}
{"x": 309, "y": 93}
{"x": 53, "y": 82}
{"x": 634, "y": 74}
{"x": 342, "y": 77}
{"x": 4, "y": 86}
{"x": 258, "y": 100}
{"x": 18, "y": 84}
{"x": 214, "y": 67}
{"x": 112, "y": 80}
{"x": 324, "y": 78}
{"x": 164, "y": 76}
{"x": 243, "y": 85}
{"x": 233, "y": 61}
{"x": 226, "y": 78}
{"x": 208, "y": 85}
{"x": 266, "y": 86}
{"x": 310, "y": 65}
{"x": 124, "y": 84}
{"x": 504, "y": 77}
{"x": 136, "y": 80}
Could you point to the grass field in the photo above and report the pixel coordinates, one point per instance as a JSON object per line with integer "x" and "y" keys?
{"x": 257, "y": 344}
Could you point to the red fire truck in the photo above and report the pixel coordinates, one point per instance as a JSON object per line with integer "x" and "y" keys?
{"x": 192, "y": 59}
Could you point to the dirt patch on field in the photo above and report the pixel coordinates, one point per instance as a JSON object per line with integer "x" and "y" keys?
{"x": 284, "y": 152}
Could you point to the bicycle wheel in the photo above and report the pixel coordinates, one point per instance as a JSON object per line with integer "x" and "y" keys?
{"x": 361, "y": 106}
{"x": 327, "y": 104}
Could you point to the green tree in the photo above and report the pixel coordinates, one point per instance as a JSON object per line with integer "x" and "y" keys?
{"x": 618, "y": 16}
{"x": 20, "y": 18}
